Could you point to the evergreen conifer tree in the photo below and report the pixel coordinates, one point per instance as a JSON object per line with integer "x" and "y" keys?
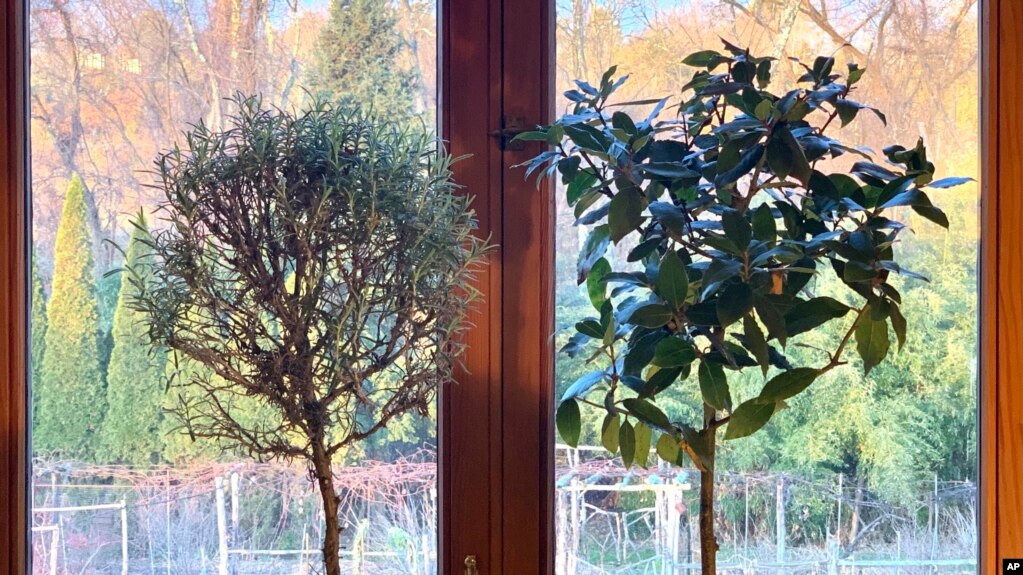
{"x": 38, "y": 326}
{"x": 108, "y": 285}
{"x": 72, "y": 399}
{"x": 135, "y": 377}
{"x": 359, "y": 61}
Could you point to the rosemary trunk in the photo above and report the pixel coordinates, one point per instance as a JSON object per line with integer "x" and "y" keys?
{"x": 332, "y": 530}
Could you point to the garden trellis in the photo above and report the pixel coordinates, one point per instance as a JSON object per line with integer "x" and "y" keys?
{"x": 271, "y": 516}
{"x": 610, "y": 521}
{"x": 763, "y": 522}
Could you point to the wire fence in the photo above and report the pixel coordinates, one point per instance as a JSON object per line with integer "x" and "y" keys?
{"x": 253, "y": 519}
{"x": 262, "y": 519}
{"x": 616, "y": 521}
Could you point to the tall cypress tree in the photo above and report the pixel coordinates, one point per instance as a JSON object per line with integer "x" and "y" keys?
{"x": 38, "y": 325}
{"x": 72, "y": 400}
{"x": 360, "y": 62}
{"x": 135, "y": 374}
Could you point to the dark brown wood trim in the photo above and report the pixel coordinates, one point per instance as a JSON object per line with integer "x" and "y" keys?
{"x": 497, "y": 422}
{"x": 988, "y": 380}
{"x": 1001, "y": 350}
{"x": 13, "y": 271}
{"x": 470, "y": 412}
{"x": 469, "y": 442}
{"x": 528, "y": 299}
{"x": 496, "y": 428}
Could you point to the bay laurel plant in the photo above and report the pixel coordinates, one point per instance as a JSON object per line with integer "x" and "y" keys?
{"x": 318, "y": 264}
{"x": 724, "y": 214}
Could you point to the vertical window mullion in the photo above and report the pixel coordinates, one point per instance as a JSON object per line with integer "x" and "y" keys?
{"x": 14, "y": 457}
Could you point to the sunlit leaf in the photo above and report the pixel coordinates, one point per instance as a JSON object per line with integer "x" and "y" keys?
{"x": 569, "y": 422}
{"x": 749, "y": 417}
{"x": 788, "y": 384}
{"x": 872, "y": 342}
{"x": 647, "y": 413}
{"x": 610, "y": 433}
{"x": 627, "y": 443}
{"x": 714, "y": 386}
{"x": 672, "y": 281}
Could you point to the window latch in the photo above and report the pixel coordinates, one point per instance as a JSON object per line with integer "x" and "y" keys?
{"x": 470, "y": 565}
{"x": 510, "y": 127}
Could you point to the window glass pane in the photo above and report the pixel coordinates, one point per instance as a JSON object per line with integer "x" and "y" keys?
{"x": 119, "y": 485}
{"x": 872, "y": 474}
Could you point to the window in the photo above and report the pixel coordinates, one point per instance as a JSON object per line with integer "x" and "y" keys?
{"x": 495, "y": 493}
{"x": 121, "y": 480}
{"x": 877, "y": 468}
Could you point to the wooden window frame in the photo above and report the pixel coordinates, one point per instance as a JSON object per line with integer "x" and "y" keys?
{"x": 496, "y": 451}
{"x": 1001, "y": 285}
{"x": 496, "y": 424}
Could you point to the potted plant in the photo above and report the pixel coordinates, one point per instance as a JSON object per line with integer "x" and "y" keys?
{"x": 729, "y": 210}
{"x": 316, "y": 264}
